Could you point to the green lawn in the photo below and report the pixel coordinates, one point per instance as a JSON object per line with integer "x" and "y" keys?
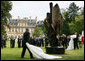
{"x": 15, "y": 54}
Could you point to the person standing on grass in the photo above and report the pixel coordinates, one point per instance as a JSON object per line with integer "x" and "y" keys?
{"x": 2, "y": 42}
{"x": 12, "y": 42}
{"x": 13, "y": 45}
{"x": 79, "y": 40}
{"x": 19, "y": 42}
{"x": 64, "y": 41}
{"x": 39, "y": 41}
{"x": 82, "y": 39}
{"x": 76, "y": 41}
{"x": 26, "y": 38}
{"x": 68, "y": 39}
{"x": 42, "y": 42}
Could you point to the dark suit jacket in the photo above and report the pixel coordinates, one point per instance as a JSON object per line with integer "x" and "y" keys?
{"x": 76, "y": 39}
{"x": 26, "y": 37}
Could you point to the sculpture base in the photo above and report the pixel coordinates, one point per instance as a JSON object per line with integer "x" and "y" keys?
{"x": 55, "y": 50}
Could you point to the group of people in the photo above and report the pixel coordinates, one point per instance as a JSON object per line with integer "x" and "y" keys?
{"x": 12, "y": 42}
{"x": 64, "y": 40}
{"x": 37, "y": 41}
{"x": 76, "y": 41}
{"x": 68, "y": 42}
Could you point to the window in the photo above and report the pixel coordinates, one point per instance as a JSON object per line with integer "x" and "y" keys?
{"x": 17, "y": 30}
{"x": 14, "y": 29}
{"x": 22, "y": 29}
{"x": 18, "y": 24}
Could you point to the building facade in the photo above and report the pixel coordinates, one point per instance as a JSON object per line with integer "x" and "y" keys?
{"x": 18, "y": 27}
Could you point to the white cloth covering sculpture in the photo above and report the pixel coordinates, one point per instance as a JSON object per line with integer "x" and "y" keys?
{"x": 38, "y": 52}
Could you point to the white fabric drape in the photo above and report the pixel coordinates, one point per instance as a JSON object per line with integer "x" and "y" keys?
{"x": 38, "y": 52}
{"x": 71, "y": 43}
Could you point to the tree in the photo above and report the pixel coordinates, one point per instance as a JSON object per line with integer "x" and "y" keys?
{"x": 73, "y": 21}
{"x": 79, "y": 23}
{"x": 73, "y": 11}
{"x": 6, "y": 6}
{"x": 82, "y": 11}
{"x": 65, "y": 29}
{"x": 39, "y": 31}
{"x": 36, "y": 32}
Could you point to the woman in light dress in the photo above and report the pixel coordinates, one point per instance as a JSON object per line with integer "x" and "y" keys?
{"x": 71, "y": 42}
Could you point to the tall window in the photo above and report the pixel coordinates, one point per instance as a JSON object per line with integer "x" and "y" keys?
{"x": 22, "y": 29}
{"x": 12, "y": 29}
{"x": 18, "y": 24}
{"x": 16, "y": 30}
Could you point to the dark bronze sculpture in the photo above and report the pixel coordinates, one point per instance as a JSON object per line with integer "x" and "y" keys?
{"x": 53, "y": 24}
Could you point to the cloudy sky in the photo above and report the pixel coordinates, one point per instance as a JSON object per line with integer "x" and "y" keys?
{"x": 37, "y": 8}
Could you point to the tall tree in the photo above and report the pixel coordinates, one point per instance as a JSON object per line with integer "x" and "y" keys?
{"x": 73, "y": 11}
{"x": 82, "y": 11}
{"x": 6, "y": 6}
{"x": 39, "y": 30}
{"x": 79, "y": 23}
{"x": 65, "y": 29}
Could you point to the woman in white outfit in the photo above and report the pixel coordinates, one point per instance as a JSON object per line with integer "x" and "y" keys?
{"x": 71, "y": 42}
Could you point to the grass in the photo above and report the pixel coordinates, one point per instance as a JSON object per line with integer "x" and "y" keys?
{"x": 15, "y": 54}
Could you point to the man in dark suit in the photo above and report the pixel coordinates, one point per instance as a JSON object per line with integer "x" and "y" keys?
{"x": 12, "y": 42}
{"x": 19, "y": 42}
{"x": 46, "y": 41}
{"x": 2, "y": 42}
{"x": 64, "y": 40}
{"x": 76, "y": 42}
{"x": 42, "y": 42}
{"x": 26, "y": 38}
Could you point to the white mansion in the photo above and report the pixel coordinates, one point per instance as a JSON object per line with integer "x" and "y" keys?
{"x": 18, "y": 27}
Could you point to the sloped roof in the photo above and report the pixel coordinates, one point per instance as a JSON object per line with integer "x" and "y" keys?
{"x": 14, "y": 22}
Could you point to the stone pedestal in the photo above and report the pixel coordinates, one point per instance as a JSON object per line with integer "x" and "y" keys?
{"x": 55, "y": 50}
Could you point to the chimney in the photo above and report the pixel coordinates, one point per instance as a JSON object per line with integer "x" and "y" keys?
{"x": 36, "y": 18}
{"x": 30, "y": 17}
{"x": 18, "y": 17}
